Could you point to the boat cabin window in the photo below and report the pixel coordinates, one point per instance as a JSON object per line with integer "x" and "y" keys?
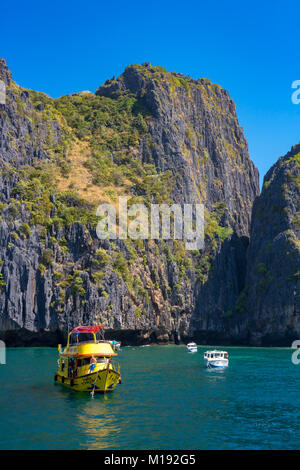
{"x": 101, "y": 359}
{"x": 83, "y": 362}
{"x": 76, "y": 338}
{"x": 68, "y": 364}
{"x": 86, "y": 361}
{"x": 215, "y": 355}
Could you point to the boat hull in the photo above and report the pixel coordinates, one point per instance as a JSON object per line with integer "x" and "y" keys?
{"x": 101, "y": 381}
{"x": 217, "y": 363}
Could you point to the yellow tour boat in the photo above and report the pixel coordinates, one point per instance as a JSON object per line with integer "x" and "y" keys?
{"x": 85, "y": 365}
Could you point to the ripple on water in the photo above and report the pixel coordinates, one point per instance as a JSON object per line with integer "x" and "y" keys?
{"x": 167, "y": 400}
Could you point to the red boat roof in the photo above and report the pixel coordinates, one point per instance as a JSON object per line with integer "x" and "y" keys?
{"x": 87, "y": 329}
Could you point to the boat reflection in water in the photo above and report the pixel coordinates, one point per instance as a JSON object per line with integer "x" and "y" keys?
{"x": 98, "y": 427}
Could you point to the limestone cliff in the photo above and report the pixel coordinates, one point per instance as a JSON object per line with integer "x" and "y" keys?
{"x": 269, "y": 307}
{"x": 154, "y": 136}
{"x": 195, "y": 134}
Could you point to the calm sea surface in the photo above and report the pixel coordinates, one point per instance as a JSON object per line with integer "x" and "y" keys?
{"x": 167, "y": 400}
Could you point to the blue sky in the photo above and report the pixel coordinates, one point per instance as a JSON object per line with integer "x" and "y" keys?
{"x": 250, "y": 49}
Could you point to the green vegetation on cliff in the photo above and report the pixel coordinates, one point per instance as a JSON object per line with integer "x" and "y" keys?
{"x": 154, "y": 136}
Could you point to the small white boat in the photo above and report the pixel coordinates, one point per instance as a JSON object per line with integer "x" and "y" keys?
{"x": 216, "y": 359}
{"x": 192, "y": 347}
{"x": 116, "y": 345}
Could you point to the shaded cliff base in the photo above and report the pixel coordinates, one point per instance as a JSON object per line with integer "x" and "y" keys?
{"x": 26, "y": 338}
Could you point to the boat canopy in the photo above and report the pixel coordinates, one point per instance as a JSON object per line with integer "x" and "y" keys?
{"x": 87, "y": 329}
{"x": 80, "y": 343}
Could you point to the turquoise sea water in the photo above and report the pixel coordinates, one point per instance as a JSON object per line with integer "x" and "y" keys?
{"x": 167, "y": 400}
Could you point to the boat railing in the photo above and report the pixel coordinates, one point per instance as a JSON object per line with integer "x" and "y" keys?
{"x": 116, "y": 367}
{"x": 80, "y": 343}
{"x": 91, "y": 341}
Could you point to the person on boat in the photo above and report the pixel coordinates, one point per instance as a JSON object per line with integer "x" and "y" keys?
{"x": 93, "y": 363}
{"x": 71, "y": 368}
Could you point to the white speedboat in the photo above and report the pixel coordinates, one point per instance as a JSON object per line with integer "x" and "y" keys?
{"x": 192, "y": 347}
{"x": 216, "y": 359}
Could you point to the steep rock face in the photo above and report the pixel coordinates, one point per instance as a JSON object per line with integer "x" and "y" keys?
{"x": 196, "y": 135}
{"x": 213, "y": 320}
{"x": 56, "y": 273}
{"x": 270, "y": 305}
{"x": 67, "y": 291}
{"x": 24, "y": 135}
